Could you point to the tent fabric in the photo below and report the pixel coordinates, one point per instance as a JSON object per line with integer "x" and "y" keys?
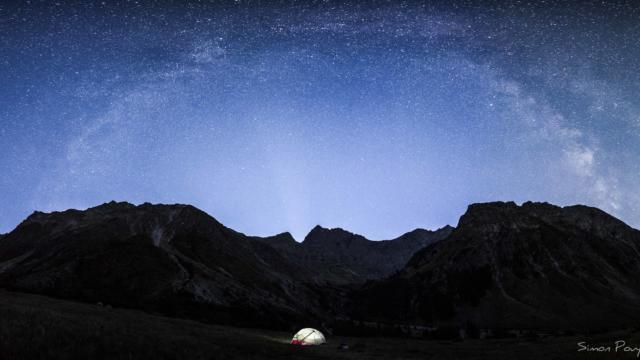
{"x": 308, "y": 336}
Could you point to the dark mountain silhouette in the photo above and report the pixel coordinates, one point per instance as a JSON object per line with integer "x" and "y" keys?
{"x": 535, "y": 266}
{"x": 177, "y": 260}
{"x": 171, "y": 259}
{"x": 341, "y": 257}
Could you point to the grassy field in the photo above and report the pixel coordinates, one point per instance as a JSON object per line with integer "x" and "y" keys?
{"x": 37, "y": 327}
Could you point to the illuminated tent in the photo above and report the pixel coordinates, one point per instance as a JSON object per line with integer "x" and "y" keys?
{"x": 308, "y": 336}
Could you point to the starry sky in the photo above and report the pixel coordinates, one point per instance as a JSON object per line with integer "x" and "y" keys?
{"x": 378, "y": 117}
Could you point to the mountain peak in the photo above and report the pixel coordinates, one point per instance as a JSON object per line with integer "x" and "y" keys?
{"x": 583, "y": 216}
{"x": 425, "y": 232}
{"x": 284, "y": 237}
{"x": 35, "y": 215}
{"x": 499, "y": 211}
{"x": 283, "y": 241}
{"x": 114, "y": 205}
{"x": 318, "y": 228}
{"x": 321, "y": 234}
{"x": 492, "y": 205}
{"x": 446, "y": 227}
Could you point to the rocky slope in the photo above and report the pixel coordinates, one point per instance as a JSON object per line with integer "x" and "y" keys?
{"x": 535, "y": 266}
{"x": 171, "y": 259}
{"x": 177, "y": 260}
{"x": 341, "y": 257}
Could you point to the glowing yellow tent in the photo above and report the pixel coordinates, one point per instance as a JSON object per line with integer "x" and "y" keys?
{"x": 308, "y": 336}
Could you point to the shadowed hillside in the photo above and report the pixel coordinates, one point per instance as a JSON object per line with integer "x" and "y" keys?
{"x": 179, "y": 261}
{"x": 535, "y": 267}
{"x": 506, "y": 266}
{"x": 341, "y": 257}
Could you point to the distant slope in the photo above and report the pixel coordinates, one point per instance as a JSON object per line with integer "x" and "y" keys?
{"x": 508, "y": 266}
{"x": 339, "y": 256}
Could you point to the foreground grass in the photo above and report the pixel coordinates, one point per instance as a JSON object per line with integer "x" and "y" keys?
{"x": 37, "y": 327}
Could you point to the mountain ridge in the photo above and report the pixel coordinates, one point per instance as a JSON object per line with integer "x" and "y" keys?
{"x": 174, "y": 259}
{"x": 343, "y": 257}
{"x": 504, "y": 266}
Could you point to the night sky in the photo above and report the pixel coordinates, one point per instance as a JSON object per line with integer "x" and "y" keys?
{"x": 277, "y": 116}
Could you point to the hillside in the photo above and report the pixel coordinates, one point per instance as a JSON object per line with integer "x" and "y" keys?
{"x": 173, "y": 259}
{"x": 179, "y": 261}
{"x": 535, "y": 266}
{"x": 340, "y": 257}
